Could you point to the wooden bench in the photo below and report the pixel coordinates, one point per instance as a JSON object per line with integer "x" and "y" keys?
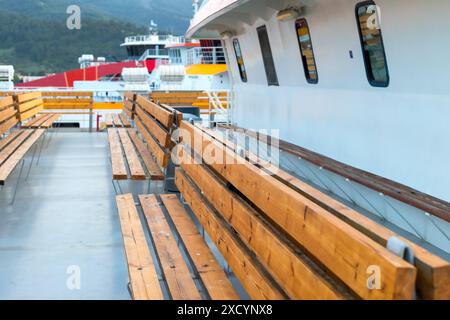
{"x": 44, "y": 121}
{"x": 129, "y": 154}
{"x": 151, "y": 142}
{"x": 29, "y": 105}
{"x": 8, "y": 114}
{"x": 306, "y": 250}
{"x": 185, "y": 98}
{"x": 263, "y": 182}
{"x": 129, "y": 104}
{"x": 68, "y": 100}
{"x": 115, "y": 120}
{"x": 14, "y": 148}
{"x": 178, "y": 245}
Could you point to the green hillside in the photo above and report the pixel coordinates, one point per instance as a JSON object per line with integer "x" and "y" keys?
{"x": 34, "y": 37}
{"x": 37, "y": 47}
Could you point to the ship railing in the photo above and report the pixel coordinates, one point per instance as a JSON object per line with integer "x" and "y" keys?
{"x": 206, "y": 55}
{"x": 155, "y": 38}
{"x": 149, "y": 53}
{"x": 219, "y": 105}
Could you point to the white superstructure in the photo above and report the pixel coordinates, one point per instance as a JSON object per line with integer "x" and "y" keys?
{"x": 365, "y": 83}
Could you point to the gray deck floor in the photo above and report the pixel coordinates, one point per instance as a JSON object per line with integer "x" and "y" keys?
{"x": 64, "y": 216}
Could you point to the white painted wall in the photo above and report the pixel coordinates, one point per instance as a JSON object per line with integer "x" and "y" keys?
{"x": 401, "y": 132}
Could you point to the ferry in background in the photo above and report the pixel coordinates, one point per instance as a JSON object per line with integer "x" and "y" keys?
{"x": 347, "y": 81}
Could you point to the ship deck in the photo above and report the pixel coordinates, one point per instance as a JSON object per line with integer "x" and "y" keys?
{"x": 64, "y": 216}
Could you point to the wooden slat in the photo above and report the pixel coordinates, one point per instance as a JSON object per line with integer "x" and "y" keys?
{"x": 6, "y": 141}
{"x": 108, "y": 120}
{"x": 12, "y": 147}
{"x": 125, "y": 122}
{"x": 214, "y": 278}
{"x": 161, "y": 134}
{"x": 143, "y": 277}
{"x": 294, "y": 271}
{"x": 118, "y": 163}
{"x": 6, "y": 101}
{"x": 136, "y": 169}
{"x": 346, "y": 252}
{"x": 8, "y": 167}
{"x": 28, "y": 96}
{"x": 7, "y": 125}
{"x": 7, "y": 113}
{"x": 176, "y": 272}
{"x": 152, "y": 167}
{"x": 29, "y": 114}
{"x": 433, "y": 272}
{"x": 41, "y": 120}
{"x": 67, "y": 94}
{"x": 161, "y": 156}
{"x": 160, "y": 114}
{"x": 51, "y": 106}
{"x": 49, "y": 123}
{"x": 23, "y": 107}
{"x": 249, "y": 272}
{"x": 116, "y": 120}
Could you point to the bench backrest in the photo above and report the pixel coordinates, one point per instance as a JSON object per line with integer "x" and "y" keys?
{"x": 29, "y": 105}
{"x": 185, "y": 98}
{"x": 129, "y": 104}
{"x": 8, "y": 114}
{"x": 156, "y": 123}
{"x": 283, "y": 228}
{"x": 70, "y": 100}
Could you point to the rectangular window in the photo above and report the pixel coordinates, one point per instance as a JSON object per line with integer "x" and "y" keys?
{"x": 266, "y": 51}
{"x": 306, "y": 50}
{"x": 240, "y": 60}
{"x": 372, "y": 44}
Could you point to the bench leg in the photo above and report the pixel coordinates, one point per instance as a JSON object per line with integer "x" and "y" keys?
{"x": 32, "y": 160}
{"x": 18, "y": 182}
{"x": 117, "y": 188}
{"x": 42, "y": 147}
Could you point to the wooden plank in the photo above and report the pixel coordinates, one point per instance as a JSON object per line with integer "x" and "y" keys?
{"x": 108, "y": 120}
{"x": 8, "y": 167}
{"x": 116, "y": 121}
{"x": 294, "y": 271}
{"x": 125, "y": 122}
{"x": 161, "y": 134}
{"x": 68, "y": 101}
{"x": 8, "y": 125}
{"x": 6, "y": 101}
{"x": 152, "y": 167}
{"x": 48, "y": 106}
{"x": 28, "y": 96}
{"x": 213, "y": 277}
{"x": 136, "y": 169}
{"x": 160, "y": 114}
{"x": 250, "y": 273}
{"x": 161, "y": 156}
{"x": 346, "y": 252}
{"x": 25, "y": 106}
{"x": 143, "y": 276}
{"x": 49, "y": 123}
{"x": 29, "y": 114}
{"x": 7, "y": 113}
{"x": 41, "y": 120}
{"x": 118, "y": 163}
{"x": 56, "y": 94}
{"x": 6, "y": 141}
{"x": 176, "y": 272}
{"x": 12, "y": 147}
